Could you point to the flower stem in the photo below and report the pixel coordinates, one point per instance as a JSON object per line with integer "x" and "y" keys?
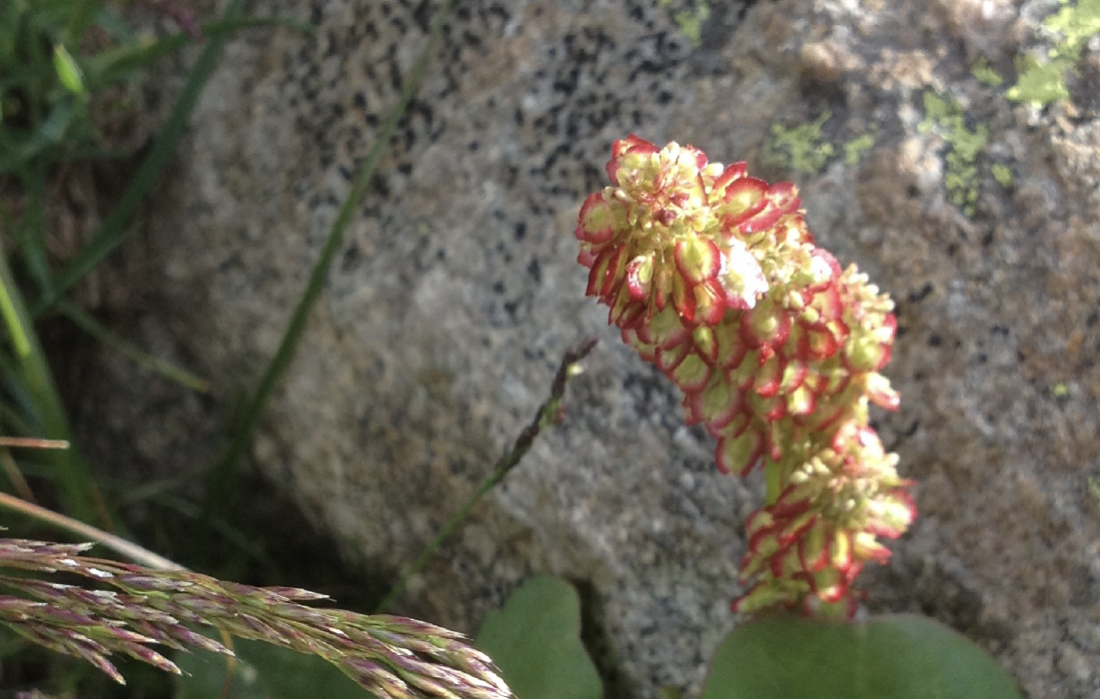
{"x": 549, "y": 413}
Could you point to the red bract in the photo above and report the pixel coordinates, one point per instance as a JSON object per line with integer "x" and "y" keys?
{"x": 697, "y": 259}
{"x": 778, "y": 365}
{"x": 595, "y": 225}
{"x": 620, "y": 149}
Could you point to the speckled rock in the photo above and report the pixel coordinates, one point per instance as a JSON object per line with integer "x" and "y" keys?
{"x": 457, "y": 290}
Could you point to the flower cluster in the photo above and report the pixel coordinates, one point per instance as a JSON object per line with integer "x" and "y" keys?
{"x": 713, "y": 275}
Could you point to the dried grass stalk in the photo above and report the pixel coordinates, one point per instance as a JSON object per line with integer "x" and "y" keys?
{"x": 388, "y": 655}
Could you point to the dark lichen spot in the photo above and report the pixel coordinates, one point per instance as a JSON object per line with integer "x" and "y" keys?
{"x": 380, "y": 186}
{"x": 500, "y": 11}
{"x": 533, "y": 355}
{"x": 456, "y": 466}
{"x": 567, "y": 83}
{"x": 422, "y": 15}
{"x": 349, "y": 258}
{"x": 922, "y": 293}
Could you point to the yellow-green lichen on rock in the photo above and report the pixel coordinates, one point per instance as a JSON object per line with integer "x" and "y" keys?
{"x": 945, "y": 117}
{"x": 1001, "y": 173}
{"x": 1043, "y": 82}
{"x": 1039, "y": 84}
{"x": 986, "y": 74}
{"x": 798, "y": 148}
{"x": 691, "y": 21}
{"x": 854, "y": 149}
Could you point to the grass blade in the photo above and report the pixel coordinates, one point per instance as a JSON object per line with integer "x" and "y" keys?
{"x": 84, "y": 320}
{"x": 110, "y": 66}
{"x": 223, "y": 474}
{"x": 31, "y": 371}
{"x": 115, "y": 228}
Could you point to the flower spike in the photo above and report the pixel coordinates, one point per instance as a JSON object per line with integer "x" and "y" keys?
{"x": 714, "y": 276}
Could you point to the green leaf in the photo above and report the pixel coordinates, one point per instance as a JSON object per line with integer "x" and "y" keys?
{"x": 263, "y": 671}
{"x": 891, "y": 657}
{"x": 535, "y": 641}
{"x": 67, "y": 70}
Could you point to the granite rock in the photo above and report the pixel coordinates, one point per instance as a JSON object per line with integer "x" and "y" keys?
{"x": 457, "y": 290}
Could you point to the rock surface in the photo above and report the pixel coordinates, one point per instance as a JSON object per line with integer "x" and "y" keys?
{"x": 456, "y": 292}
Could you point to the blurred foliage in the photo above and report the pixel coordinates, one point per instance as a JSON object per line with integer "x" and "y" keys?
{"x": 887, "y": 657}
{"x": 55, "y": 55}
{"x": 535, "y": 641}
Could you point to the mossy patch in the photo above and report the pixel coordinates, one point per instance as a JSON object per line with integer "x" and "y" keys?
{"x": 1039, "y": 84}
{"x": 945, "y": 117}
{"x": 691, "y": 21}
{"x": 854, "y": 149}
{"x": 798, "y": 148}
{"x": 1001, "y": 173}
{"x": 1043, "y": 82}
{"x": 986, "y": 74}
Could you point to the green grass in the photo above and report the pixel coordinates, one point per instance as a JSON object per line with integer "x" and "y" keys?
{"x": 48, "y": 114}
{"x": 48, "y": 117}
{"x": 46, "y": 121}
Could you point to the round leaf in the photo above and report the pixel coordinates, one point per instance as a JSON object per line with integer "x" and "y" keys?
{"x": 535, "y": 641}
{"x": 891, "y": 657}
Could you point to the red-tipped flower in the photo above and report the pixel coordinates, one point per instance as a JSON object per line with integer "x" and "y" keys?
{"x": 714, "y": 276}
